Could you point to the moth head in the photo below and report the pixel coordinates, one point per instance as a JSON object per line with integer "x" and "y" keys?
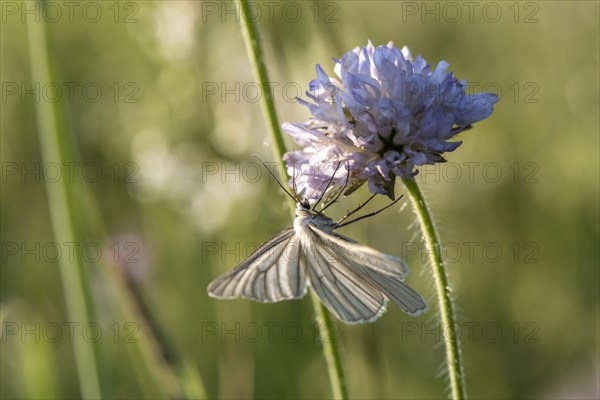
{"x": 304, "y": 204}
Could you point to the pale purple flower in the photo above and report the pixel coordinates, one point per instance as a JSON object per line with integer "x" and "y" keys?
{"x": 386, "y": 115}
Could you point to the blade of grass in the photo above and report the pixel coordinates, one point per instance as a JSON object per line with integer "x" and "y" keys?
{"x": 55, "y": 148}
{"x": 154, "y": 374}
{"x": 255, "y": 52}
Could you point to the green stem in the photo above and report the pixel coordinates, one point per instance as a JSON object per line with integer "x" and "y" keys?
{"x": 56, "y": 148}
{"x": 445, "y": 303}
{"x": 329, "y": 336}
{"x": 255, "y": 52}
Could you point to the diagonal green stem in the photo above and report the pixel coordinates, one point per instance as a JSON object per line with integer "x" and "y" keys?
{"x": 326, "y": 328}
{"x": 445, "y": 303}
{"x": 55, "y": 148}
{"x": 255, "y": 52}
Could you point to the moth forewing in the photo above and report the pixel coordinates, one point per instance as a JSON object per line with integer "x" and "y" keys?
{"x": 271, "y": 273}
{"x": 368, "y": 266}
{"x": 347, "y": 294}
{"x": 356, "y": 252}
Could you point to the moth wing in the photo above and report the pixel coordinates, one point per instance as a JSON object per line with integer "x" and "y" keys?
{"x": 376, "y": 260}
{"x": 349, "y": 296}
{"x": 272, "y": 273}
{"x": 371, "y": 264}
{"x": 401, "y": 294}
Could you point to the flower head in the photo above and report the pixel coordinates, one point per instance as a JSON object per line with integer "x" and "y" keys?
{"x": 386, "y": 115}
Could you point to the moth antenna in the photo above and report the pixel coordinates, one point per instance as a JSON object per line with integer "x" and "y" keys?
{"x": 294, "y": 187}
{"x": 276, "y": 180}
{"x": 326, "y": 187}
{"x": 349, "y": 213}
{"x": 369, "y": 214}
{"x": 341, "y": 191}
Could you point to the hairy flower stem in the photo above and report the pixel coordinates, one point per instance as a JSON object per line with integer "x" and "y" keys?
{"x": 445, "y": 303}
{"x": 327, "y": 334}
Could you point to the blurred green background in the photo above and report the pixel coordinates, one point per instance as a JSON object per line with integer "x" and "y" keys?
{"x": 163, "y": 114}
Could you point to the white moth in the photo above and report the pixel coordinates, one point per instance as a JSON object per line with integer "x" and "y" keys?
{"x": 354, "y": 281}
